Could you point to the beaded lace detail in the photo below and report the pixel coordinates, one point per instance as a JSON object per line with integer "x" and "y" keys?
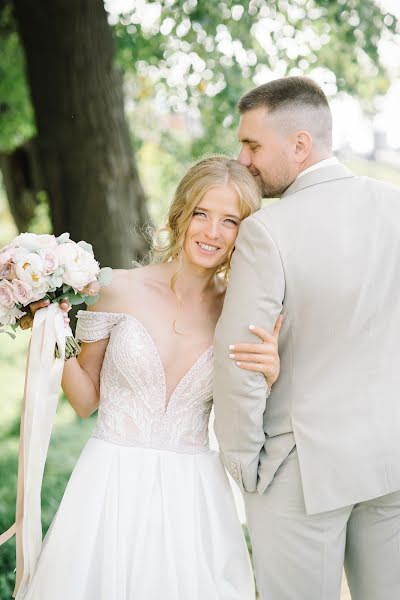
{"x": 133, "y": 408}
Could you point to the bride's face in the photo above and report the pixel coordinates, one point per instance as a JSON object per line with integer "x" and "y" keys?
{"x": 213, "y": 228}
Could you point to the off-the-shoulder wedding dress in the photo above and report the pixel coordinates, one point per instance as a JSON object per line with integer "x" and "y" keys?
{"x": 148, "y": 513}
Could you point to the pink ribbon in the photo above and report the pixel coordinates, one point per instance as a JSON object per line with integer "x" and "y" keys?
{"x": 42, "y": 387}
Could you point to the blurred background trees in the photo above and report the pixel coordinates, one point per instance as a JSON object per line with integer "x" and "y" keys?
{"x": 87, "y": 90}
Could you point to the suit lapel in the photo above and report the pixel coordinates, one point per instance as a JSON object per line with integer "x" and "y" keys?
{"x": 322, "y": 175}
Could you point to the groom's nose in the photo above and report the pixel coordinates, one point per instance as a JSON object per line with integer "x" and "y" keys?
{"x": 244, "y": 157}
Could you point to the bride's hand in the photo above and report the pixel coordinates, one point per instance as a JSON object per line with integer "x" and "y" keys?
{"x": 27, "y": 320}
{"x": 262, "y": 357}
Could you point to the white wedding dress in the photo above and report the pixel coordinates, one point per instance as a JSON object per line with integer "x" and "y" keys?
{"x": 148, "y": 513}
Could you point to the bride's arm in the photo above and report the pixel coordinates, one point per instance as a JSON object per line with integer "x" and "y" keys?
{"x": 81, "y": 375}
{"x": 81, "y": 378}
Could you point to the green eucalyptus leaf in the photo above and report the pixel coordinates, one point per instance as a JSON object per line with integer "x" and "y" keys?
{"x": 85, "y": 246}
{"x": 64, "y": 237}
{"x": 92, "y": 299}
{"x": 12, "y": 335}
{"x": 105, "y": 276}
{"x": 75, "y": 299}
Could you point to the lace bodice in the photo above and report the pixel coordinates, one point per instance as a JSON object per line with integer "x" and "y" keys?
{"x": 133, "y": 409}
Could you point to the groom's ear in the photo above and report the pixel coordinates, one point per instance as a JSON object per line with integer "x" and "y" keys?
{"x": 304, "y": 143}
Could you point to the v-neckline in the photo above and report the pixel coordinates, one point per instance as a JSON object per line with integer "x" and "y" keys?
{"x": 185, "y": 376}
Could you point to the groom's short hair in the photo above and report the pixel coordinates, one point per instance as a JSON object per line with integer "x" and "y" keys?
{"x": 290, "y": 95}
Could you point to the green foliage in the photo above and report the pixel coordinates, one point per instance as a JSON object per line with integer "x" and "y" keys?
{"x": 8, "y": 229}
{"x": 16, "y": 115}
{"x": 204, "y": 55}
{"x": 41, "y": 221}
{"x": 197, "y": 58}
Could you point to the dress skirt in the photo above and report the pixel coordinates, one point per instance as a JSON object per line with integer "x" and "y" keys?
{"x": 144, "y": 524}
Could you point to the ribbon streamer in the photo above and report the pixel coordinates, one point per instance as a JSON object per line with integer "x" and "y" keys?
{"x": 42, "y": 387}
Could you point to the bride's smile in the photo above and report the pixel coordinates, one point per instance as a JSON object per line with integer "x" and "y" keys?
{"x": 213, "y": 228}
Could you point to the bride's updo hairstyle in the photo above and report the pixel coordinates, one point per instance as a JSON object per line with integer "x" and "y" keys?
{"x": 207, "y": 173}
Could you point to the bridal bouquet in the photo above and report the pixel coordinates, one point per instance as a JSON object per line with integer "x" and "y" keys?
{"x": 35, "y": 267}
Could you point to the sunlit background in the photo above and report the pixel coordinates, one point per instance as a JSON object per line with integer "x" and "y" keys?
{"x": 184, "y": 66}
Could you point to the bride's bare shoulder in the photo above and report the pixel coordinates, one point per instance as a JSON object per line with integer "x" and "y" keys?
{"x": 126, "y": 286}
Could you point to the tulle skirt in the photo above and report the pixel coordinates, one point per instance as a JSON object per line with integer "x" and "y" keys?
{"x": 142, "y": 524}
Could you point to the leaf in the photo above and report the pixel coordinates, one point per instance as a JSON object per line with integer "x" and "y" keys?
{"x": 12, "y": 335}
{"x": 75, "y": 299}
{"x": 85, "y": 246}
{"x": 66, "y": 288}
{"x": 64, "y": 237}
{"x": 92, "y": 299}
{"x": 105, "y": 276}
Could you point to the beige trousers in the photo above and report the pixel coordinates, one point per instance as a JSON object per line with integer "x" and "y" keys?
{"x": 300, "y": 557}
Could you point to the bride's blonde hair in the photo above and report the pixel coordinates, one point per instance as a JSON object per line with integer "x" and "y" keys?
{"x": 207, "y": 173}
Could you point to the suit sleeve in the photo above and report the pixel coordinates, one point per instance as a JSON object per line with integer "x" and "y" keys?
{"x": 254, "y": 296}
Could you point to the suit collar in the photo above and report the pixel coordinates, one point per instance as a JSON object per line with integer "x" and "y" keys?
{"x": 322, "y": 175}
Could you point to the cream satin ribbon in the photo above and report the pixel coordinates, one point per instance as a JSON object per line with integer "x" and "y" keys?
{"x": 42, "y": 388}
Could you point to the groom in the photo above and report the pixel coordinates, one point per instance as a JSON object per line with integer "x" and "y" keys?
{"x": 319, "y": 459}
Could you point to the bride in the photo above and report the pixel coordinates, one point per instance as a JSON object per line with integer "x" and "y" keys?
{"x": 148, "y": 513}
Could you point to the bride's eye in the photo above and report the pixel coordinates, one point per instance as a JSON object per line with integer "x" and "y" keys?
{"x": 232, "y": 221}
{"x": 197, "y": 213}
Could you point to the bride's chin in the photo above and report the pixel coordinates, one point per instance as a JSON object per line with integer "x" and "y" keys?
{"x": 208, "y": 264}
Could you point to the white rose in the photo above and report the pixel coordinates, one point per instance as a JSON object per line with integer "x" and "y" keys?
{"x": 6, "y": 294}
{"x": 23, "y": 292}
{"x": 32, "y": 241}
{"x": 82, "y": 271}
{"x": 66, "y": 253}
{"x": 9, "y": 316}
{"x": 30, "y": 268}
{"x": 19, "y": 254}
{"x": 40, "y": 290}
{"x": 49, "y": 259}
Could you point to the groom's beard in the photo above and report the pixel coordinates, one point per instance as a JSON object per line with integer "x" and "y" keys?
{"x": 273, "y": 189}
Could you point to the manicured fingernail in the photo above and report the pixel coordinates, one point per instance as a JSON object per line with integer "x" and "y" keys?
{"x": 231, "y": 347}
{"x": 231, "y": 356}
{"x": 47, "y": 301}
{"x": 238, "y": 364}
{"x": 251, "y": 326}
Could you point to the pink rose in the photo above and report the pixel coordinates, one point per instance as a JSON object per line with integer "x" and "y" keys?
{"x": 6, "y": 263}
{"x": 7, "y": 271}
{"x": 91, "y": 289}
{"x": 6, "y": 256}
{"x": 50, "y": 261}
{"x": 6, "y": 294}
{"x": 23, "y": 293}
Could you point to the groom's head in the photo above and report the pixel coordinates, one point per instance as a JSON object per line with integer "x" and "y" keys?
{"x": 285, "y": 127}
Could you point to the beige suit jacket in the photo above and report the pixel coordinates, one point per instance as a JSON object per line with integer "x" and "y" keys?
{"x": 327, "y": 255}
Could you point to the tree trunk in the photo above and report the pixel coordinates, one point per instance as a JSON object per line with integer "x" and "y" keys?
{"x": 22, "y": 182}
{"x": 83, "y": 139}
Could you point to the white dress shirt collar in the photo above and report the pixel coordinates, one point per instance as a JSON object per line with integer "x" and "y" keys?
{"x": 323, "y": 163}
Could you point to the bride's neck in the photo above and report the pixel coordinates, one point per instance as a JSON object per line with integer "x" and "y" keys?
{"x": 191, "y": 282}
